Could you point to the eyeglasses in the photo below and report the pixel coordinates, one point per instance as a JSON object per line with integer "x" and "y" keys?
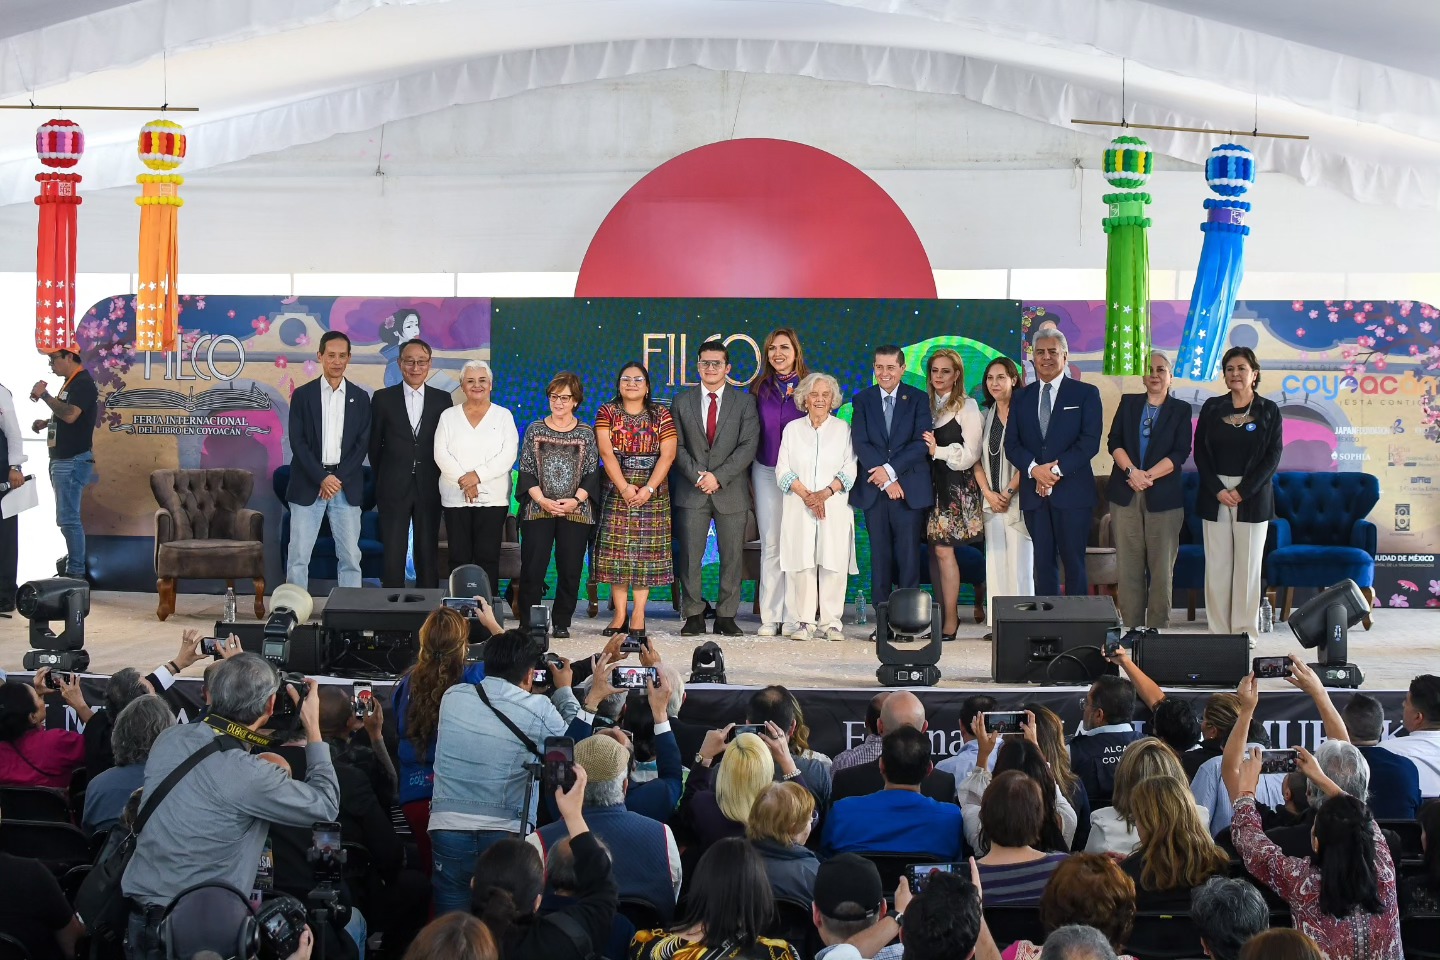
{"x": 710, "y": 364}
{"x": 633, "y": 381}
{"x": 1047, "y": 352}
{"x": 561, "y": 396}
{"x": 412, "y": 362}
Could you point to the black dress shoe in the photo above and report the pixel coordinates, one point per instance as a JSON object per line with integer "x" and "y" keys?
{"x": 611, "y": 631}
{"x": 560, "y": 633}
{"x": 726, "y": 627}
{"x": 693, "y": 626}
{"x": 944, "y": 637}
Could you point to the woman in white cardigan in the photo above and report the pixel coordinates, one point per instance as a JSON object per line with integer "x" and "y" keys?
{"x": 475, "y": 447}
{"x": 815, "y": 469}
{"x": 954, "y": 444}
{"x": 970, "y": 791}
{"x": 1112, "y": 828}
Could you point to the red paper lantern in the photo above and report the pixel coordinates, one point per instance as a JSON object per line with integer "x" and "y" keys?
{"x": 60, "y": 143}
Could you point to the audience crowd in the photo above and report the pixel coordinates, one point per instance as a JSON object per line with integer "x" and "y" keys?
{"x": 454, "y": 807}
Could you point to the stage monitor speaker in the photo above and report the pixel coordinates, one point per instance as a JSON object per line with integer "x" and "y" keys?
{"x": 307, "y": 654}
{"x": 1055, "y": 640}
{"x": 1191, "y": 660}
{"x": 378, "y": 609}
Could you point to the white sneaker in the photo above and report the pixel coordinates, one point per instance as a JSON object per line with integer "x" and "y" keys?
{"x": 768, "y": 630}
{"x": 790, "y": 627}
{"x": 834, "y": 633}
{"x": 801, "y": 632}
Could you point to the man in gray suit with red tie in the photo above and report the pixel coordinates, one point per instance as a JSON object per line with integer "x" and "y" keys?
{"x": 718, "y": 431}
{"x": 1054, "y": 433}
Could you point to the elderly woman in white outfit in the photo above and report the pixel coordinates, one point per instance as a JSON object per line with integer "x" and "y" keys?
{"x": 1009, "y": 554}
{"x": 476, "y": 443}
{"x": 815, "y": 469}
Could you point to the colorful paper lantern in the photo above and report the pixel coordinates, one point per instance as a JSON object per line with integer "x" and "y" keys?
{"x": 1127, "y": 166}
{"x": 157, "y": 300}
{"x": 1230, "y": 172}
{"x": 59, "y": 143}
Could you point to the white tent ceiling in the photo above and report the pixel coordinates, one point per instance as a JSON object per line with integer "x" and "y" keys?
{"x": 271, "y": 75}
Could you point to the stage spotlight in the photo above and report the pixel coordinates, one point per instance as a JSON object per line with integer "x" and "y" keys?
{"x": 58, "y": 598}
{"x": 1324, "y": 623}
{"x": 707, "y": 664}
{"x": 290, "y": 606}
{"x": 907, "y": 615}
{"x": 471, "y": 580}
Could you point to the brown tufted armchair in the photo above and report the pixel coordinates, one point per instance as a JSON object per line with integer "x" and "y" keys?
{"x": 203, "y": 531}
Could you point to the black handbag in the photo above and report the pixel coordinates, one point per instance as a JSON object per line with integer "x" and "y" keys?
{"x": 100, "y": 903}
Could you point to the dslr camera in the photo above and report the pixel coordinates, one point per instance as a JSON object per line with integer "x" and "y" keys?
{"x": 281, "y": 921}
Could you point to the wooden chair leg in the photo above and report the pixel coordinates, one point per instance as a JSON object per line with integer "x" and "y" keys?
{"x": 165, "y": 587}
{"x": 1190, "y": 599}
{"x": 1369, "y": 593}
{"x": 980, "y": 601}
{"x": 592, "y": 591}
{"x": 259, "y": 598}
{"x": 1289, "y": 597}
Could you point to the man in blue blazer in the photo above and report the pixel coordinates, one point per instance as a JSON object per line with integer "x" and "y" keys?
{"x": 1054, "y": 432}
{"x": 329, "y": 437}
{"x": 893, "y": 487}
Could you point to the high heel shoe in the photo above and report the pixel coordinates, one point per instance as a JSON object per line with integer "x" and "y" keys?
{"x": 611, "y": 631}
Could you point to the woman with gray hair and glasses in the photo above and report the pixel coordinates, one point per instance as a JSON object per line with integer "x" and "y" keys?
{"x": 816, "y": 464}
{"x": 475, "y": 447}
{"x": 135, "y": 730}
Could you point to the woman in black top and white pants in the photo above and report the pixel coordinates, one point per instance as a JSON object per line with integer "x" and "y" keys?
{"x": 1238, "y": 441}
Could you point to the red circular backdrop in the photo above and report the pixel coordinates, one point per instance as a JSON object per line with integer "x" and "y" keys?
{"x": 756, "y": 218}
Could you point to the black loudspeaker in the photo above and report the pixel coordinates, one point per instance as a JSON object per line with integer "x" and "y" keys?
{"x": 1194, "y": 660}
{"x": 1055, "y": 640}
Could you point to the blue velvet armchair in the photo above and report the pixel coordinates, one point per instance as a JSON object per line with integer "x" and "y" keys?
{"x": 323, "y": 562}
{"x": 1189, "y": 573}
{"x": 1320, "y": 534}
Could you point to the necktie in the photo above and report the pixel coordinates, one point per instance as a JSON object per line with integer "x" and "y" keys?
{"x": 1045, "y": 408}
{"x": 889, "y": 411}
{"x": 710, "y": 419}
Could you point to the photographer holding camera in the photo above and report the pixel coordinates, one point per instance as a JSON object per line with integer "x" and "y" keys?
{"x": 490, "y": 736}
{"x": 212, "y": 822}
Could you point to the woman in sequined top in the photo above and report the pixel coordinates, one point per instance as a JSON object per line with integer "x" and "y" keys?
{"x": 559, "y": 479}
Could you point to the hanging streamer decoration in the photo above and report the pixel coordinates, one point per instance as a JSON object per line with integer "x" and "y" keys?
{"x": 1230, "y": 171}
{"x": 157, "y": 301}
{"x": 1128, "y": 165}
{"x": 59, "y": 144}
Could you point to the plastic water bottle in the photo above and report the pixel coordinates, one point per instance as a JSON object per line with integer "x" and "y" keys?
{"x": 230, "y": 605}
{"x": 860, "y": 615}
{"x": 1267, "y": 616}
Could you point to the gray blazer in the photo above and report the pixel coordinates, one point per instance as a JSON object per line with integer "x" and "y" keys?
{"x": 737, "y": 435}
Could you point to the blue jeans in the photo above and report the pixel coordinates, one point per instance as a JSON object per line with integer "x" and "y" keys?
{"x": 305, "y": 528}
{"x": 358, "y": 930}
{"x": 69, "y": 477}
{"x": 455, "y": 852}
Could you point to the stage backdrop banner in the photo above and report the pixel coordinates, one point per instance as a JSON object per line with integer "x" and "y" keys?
{"x": 1356, "y": 380}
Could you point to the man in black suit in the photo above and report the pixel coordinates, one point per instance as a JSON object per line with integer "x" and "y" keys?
{"x": 901, "y": 709}
{"x": 329, "y": 438}
{"x": 407, "y": 481}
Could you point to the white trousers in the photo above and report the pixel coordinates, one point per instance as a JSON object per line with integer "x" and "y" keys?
{"x": 769, "y": 500}
{"x": 1233, "y": 555}
{"x": 1009, "y": 561}
{"x": 807, "y": 589}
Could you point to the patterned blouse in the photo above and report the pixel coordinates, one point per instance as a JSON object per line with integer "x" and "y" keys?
{"x": 659, "y": 945}
{"x": 635, "y": 435}
{"x": 1358, "y": 936}
{"x": 560, "y": 464}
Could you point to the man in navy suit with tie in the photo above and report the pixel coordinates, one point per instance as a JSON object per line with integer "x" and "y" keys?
{"x": 893, "y": 487}
{"x": 329, "y": 437}
{"x": 1055, "y": 429}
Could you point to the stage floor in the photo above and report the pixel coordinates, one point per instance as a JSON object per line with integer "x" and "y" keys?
{"x": 122, "y": 631}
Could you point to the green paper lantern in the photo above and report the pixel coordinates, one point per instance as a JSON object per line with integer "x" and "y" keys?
{"x": 1127, "y": 165}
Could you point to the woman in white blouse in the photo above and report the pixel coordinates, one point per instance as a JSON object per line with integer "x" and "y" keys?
{"x": 1009, "y": 554}
{"x": 957, "y": 516}
{"x": 814, "y": 470}
{"x": 1112, "y": 828}
{"x": 475, "y": 447}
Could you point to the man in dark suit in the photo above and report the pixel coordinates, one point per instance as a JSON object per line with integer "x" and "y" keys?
{"x": 1054, "y": 432}
{"x": 717, "y": 430}
{"x": 1394, "y": 780}
{"x": 329, "y": 437}
{"x": 407, "y": 481}
{"x": 901, "y": 709}
{"x": 893, "y": 486}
